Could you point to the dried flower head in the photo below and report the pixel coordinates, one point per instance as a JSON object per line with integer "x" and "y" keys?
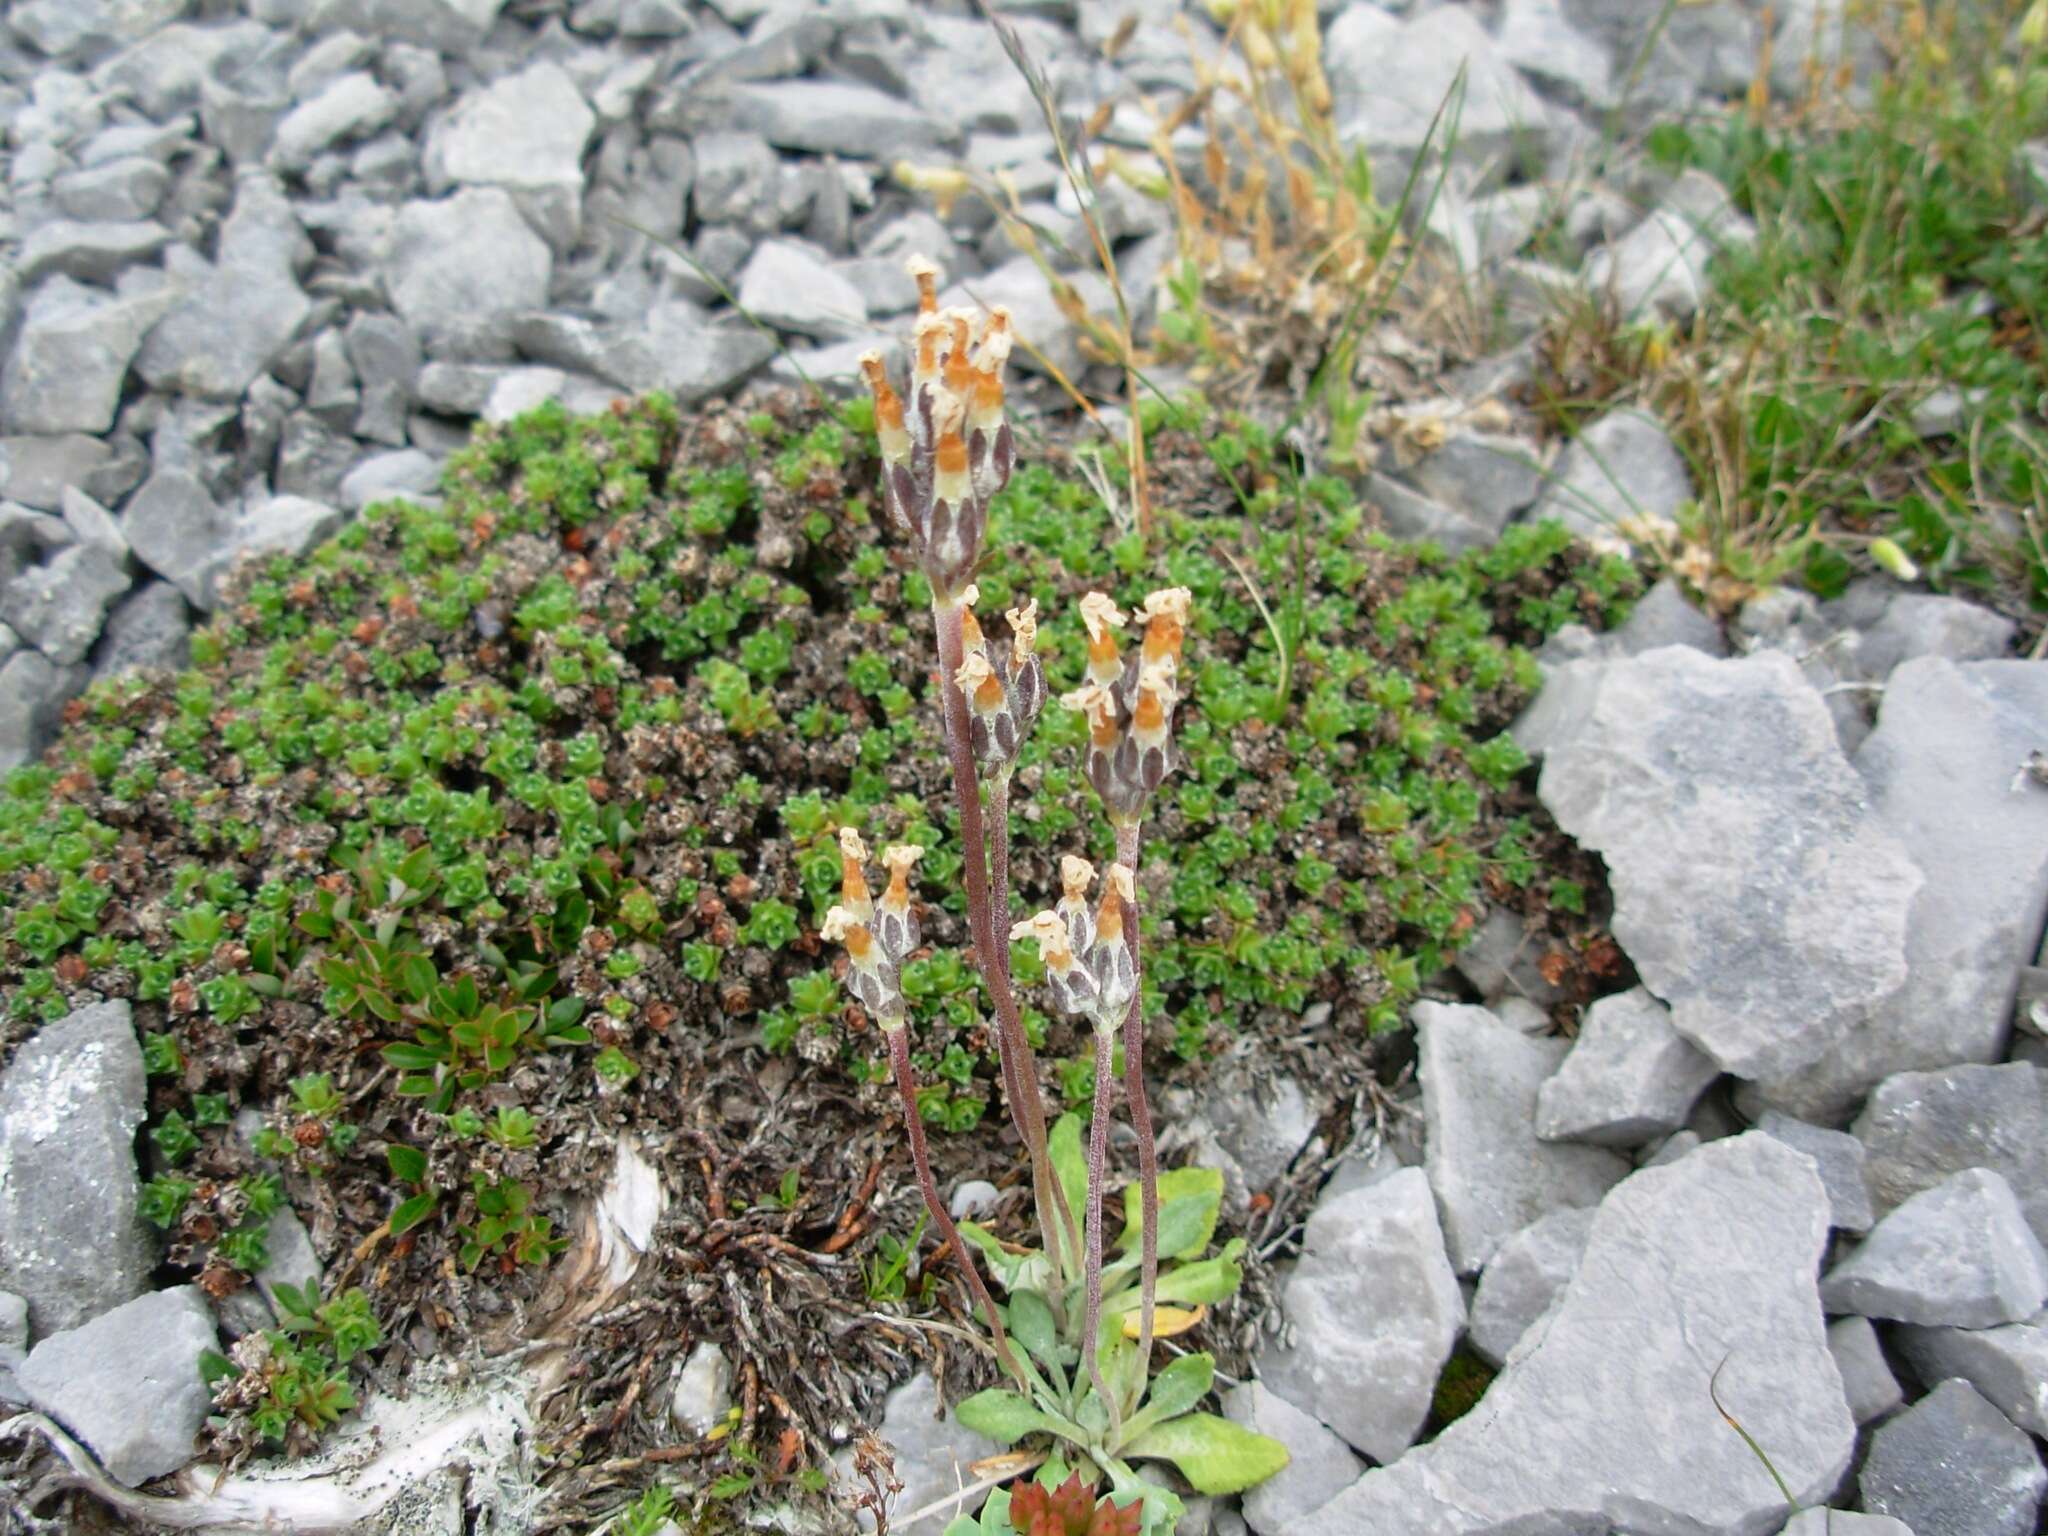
{"x": 949, "y": 449}
{"x": 1129, "y": 700}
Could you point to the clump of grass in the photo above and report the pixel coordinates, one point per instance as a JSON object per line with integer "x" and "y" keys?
{"x": 1865, "y": 380}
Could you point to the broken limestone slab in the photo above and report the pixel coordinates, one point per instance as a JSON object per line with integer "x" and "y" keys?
{"x": 1374, "y": 1310}
{"x": 1491, "y": 1175}
{"x": 1619, "y": 479}
{"x": 1919, "y": 1128}
{"x": 1868, "y": 1384}
{"x": 1696, "y": 1275}
{"x": 1319, "y": 1465}
{"x": 2007, "y": 1364}
{"x": 1941, "y": 768}
{"x": 1840, "y": 1159}
{"x": 1630, "y": 1077}
{"x": 1754, "y": 889}
{"x": 1523, "y": 1278}
{"x": 71, "y": 1239}
{"x": 1952, "y": 1462}
{"x": 1959, "y": 1255}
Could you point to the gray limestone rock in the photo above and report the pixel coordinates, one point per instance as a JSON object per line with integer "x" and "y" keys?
{"x": 290, "y": 1257}
{"x": 1840, "y": 1159}
{"x": 1630, "y": 1077}
{"x": 703, "y": 1391}
{"x": 58, "y": 608}
{"x": 177, "y": 530}
{"x": 1491, "y": 1174}
{"x": 1696, "y": 1274}
{"x": 1842, "y": 1522}
{"x": 1918, "y": 1128}
{"x": 452, "y": 26}
{"x": 90, "y": 252}
{"x": 1523, "y": 1278}
{"x": 38, "y": 471}
{"x": 1959, "y": 1254}
{"x": 93, "y": 524}
{"x": 1660, "y": 266}
{"x": 461, "y": 267}
{"x": 794, "y": 288}
{"x": 2007, "y": 1364}
{"x": 386, "y": 357}
{"x": 71, "y": 1241}
{"x": 350, "y": 107}
{"x": 289, "y": 525}
{"x": 1408, "y": 513}
{"x": 127, "y": 1383}
{"x": 1538, "y": 40}
{"x": 1952, "y": 1465}
{"x": 524, "y": 132}
{"x": 1389, "y": 79}
{"x": 1486, "y": 476}
{"x": 1373, "y": 1310}
{"x": 1941, "y": 767}
{"x": 1753, "y": 888}
{"x": 238, "y": 311}
{"x": 33, "y": 693}
{"x": 1034, "y": 316}
{"x": 1319, "y": 1465}
{"x": 1663, "y": 616}
{"x": 1869, "y": 1386}
{"x": 403, "y": 474}
{"x": 827, "y": 117}
{"x": 1617, "y": 477}
{"x": 931, "y": 1454}
{"x": 72, "y": 353}
{"x": 1503, "y": 959}
{"x": 119, "y": 191}
{"x": 151, "y": 627}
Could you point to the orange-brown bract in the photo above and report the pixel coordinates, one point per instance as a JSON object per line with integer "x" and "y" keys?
{"x": 1129, "y": 700}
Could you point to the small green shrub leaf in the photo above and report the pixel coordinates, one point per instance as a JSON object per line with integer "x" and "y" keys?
{"x": 411, "y": 1213}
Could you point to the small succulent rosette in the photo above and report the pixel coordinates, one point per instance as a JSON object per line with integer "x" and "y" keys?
{"x": 1004, "y": 686}
{"x": 878, "y": 935}
{"x": 1129, "y": 699}
{"x": 947, "y": 450}
{"x": 1088, "y": 964}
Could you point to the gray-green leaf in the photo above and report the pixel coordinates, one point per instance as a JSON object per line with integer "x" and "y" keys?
{"x": 1213, "y": 1454}
{"x": 1005, "y": 1417}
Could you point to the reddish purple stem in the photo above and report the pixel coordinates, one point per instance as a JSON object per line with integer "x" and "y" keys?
{"x": 1127, "y": 847}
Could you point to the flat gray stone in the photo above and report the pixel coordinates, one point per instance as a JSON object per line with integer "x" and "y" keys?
{"x": 525, "y": 132}
{"x": 1869, "y": 1386}
{"x": 288, "y": 525}
{"x": 1389, "y": 79}
{"x": 1486, "y": 476}
{"x": 290, "y": 1257}
{"x": 93, "y": 524}
{"x": 1524, "y": 1276}
{"x": 58, "y": 608}
{"x": 1537, "y": 39}
{"x": 1959, "y": 1254}
{"x": 1036, "y": 319}
{"x": 1940, "y": 767}
{"x": 1664, "y": 615}
{"x": 703, "y": 1391}
{"x": 830, "y": 117}
{"x": 793, "y": 288}
{"x": 386, "y": 357}
{"x": 71, "y": 1101}
{"x": 1503, "y": 960}
{"x": 151, "y": 627}
{"x": 1374, "y": 1311}
{"x": 1842, "y": 1522}
{"x": 1619, "y": 477}
{"x": 931, "y": 1454}
{"x": 117, "y": 191}
{"x": 461, "y": 267}
{"x": 1840, "y": 1158}
{"x": 91, "y": 252}
{"x": 1919, "y": 1128}
{"x": 33, "y": 693}
{"x": 177, "y": 529}
{"x": 1604, "y": 1420}
{"x": 1953, "y": 1465}
{"x": 349, "y": 107}
{"x": 240, "y": 310}
{"x": 452, "y": 26}
{"x": 71, "y": 356}
{"x": 1754, "y": 889}
{"x": 127, "y": 1383}
{"x": 1319, "y": 1464}
{"x": 1491, "y": 1174}
{"x": 1629, "y": 1079}
{"x": 1660, "y": 266}
{"x": 403, "y": 474}
{"x": 2007, "y": 1364}
{"x": 37, "y": 471}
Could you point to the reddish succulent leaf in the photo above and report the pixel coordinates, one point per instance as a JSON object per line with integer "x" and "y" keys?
{"x": 1111, "y": 1521}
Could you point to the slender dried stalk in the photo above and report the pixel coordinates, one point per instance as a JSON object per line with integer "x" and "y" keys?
{"x": 1027, "y": 1109}
{"x": 942, "y": 1220}
{"x": 1141, "y": 1109}
{"x": 1091, "y": 1314}
{"x": 999, "y": 863}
